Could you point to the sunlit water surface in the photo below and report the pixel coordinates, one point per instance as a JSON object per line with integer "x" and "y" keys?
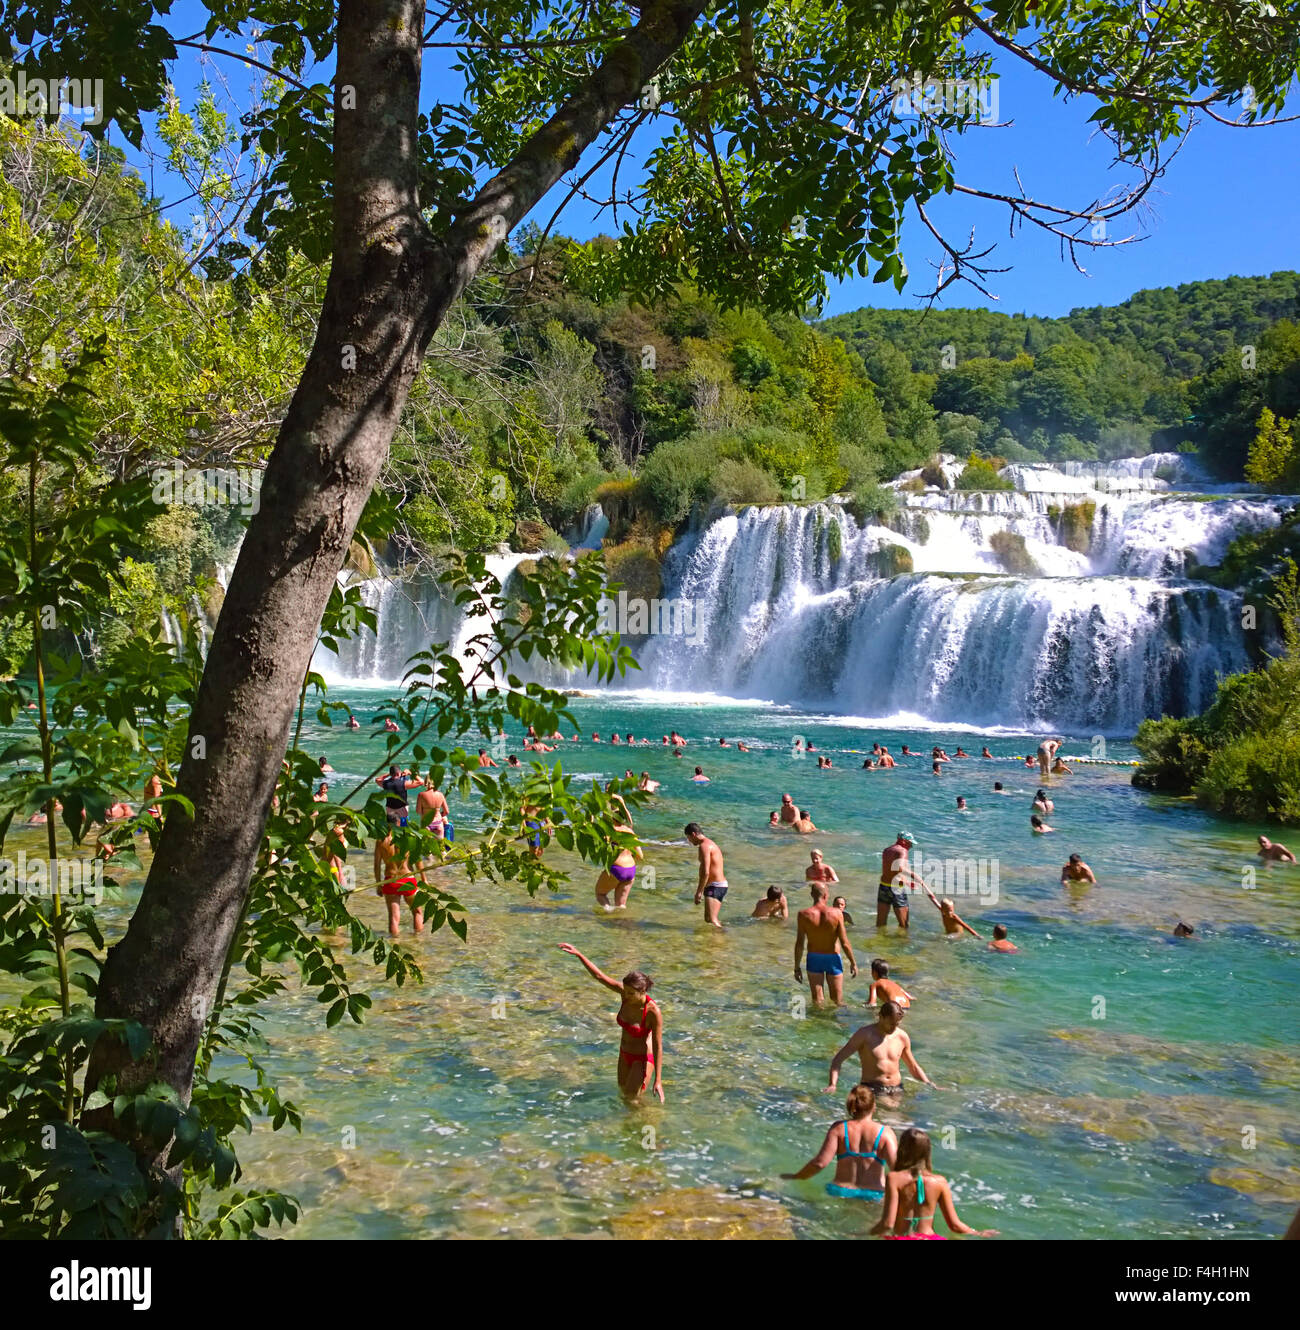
{"x": 1104, "y": 1082}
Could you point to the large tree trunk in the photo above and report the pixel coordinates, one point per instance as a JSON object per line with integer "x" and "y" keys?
{"x": 390, "y": 286}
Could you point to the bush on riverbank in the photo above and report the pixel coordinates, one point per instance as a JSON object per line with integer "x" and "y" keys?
{"x": 1241, "y": 758}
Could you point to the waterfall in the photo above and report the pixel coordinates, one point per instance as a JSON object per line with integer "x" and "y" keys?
{"x": 1068, "y": 602}
{"x": 412, "y": 615}
{"x": 1064, "y": 603}
{"x": 592, "y": 529}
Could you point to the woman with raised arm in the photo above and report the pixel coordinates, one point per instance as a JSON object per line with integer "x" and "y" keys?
{"x": 913, "y": 1192}
{"x": 641, "y": 1049}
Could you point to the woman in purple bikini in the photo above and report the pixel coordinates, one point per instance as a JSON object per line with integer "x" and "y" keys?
{"x": 619, "y": 876}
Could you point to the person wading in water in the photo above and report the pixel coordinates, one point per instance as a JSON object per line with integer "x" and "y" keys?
{"x": 641, "y": 1050}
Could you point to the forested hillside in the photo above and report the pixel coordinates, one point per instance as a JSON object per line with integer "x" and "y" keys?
{"x": 1190, "y": 366}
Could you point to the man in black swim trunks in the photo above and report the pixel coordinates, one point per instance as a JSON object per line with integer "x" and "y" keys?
{"x": 395, "y": 786}
{"x": 711, "y": 888}
{"x": 896, "y": 878}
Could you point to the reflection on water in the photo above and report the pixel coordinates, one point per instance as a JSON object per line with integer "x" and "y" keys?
{"x": 484, "y": 1103}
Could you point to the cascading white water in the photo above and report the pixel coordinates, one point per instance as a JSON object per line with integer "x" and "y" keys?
{"x": 412, "y": 615}
{"x": 1084, "y": 641}
{"x": 592, "y": 529}
{"x": 805, "y": 604}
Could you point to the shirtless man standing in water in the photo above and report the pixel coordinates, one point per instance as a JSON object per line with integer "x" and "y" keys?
{"x": 881, "y": 1047}
{"x": 895, "y": 878}
{"x": 789, "y": 813}
{"x": 822, "y": 927}
{"x": 1075, "y": 870}
{"x": 712, "y": 885}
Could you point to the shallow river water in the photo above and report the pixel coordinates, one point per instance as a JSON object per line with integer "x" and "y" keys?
{"x": 1106, "y": 1081}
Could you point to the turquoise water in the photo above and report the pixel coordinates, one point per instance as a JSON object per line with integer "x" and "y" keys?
{"x": 484, "y": 1102}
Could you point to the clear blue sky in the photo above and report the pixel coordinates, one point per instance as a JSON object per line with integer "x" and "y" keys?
{"x": 1229, "y": 203}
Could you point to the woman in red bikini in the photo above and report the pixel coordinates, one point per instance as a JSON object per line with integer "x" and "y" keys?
{"x": 913, "y": 1192}
{"x": 642, "y": 1048}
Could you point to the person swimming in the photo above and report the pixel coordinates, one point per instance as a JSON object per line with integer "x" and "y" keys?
{"x": 863, "y": 1151}
{"x": 841, "y": 903}
{"x": 772, "y": 906}
{"x": 913, "y": 1192}
{"x": 1000, "y": 940}
{"x": 641, "y": 1048}
{"x": 1275, "y": 851}
{"x": 1075, "y": 870}
{"x": 819, "y": 870}
{"x": 1040, "y": 828}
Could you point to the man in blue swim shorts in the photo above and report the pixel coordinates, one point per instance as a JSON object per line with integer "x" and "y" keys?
{"x": 821, "y": 928}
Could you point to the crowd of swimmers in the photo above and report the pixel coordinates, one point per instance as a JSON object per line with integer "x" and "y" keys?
{"x": 872, "y": 1161}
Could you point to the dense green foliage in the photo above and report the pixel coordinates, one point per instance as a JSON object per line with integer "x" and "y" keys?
{"x": 88, "y": 741}
{"x": 543, "y": 394}
{"x": 1187, "y": 366}
{"x": 1240, "y": 758}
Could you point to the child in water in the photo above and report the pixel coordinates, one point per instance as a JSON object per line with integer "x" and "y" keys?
{"x": 884, "y": 989}
{"x": 914, "y": 1192}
